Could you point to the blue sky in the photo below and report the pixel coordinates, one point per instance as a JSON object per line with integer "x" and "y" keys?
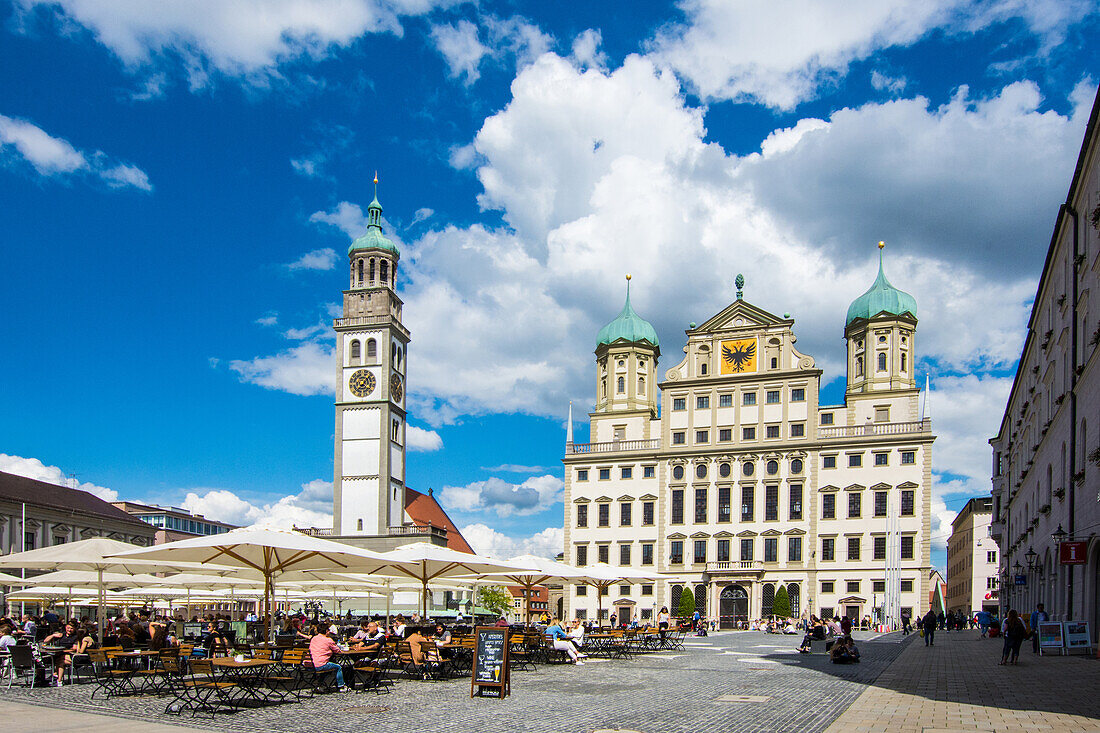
{"x": 179, "y": 183}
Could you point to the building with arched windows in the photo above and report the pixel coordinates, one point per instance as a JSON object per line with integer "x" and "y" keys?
{"x": 729, "y": 478}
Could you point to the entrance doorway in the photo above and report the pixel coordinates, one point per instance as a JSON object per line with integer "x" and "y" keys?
{"x": 733, "y": 606}
{"x": 852, "y": 612}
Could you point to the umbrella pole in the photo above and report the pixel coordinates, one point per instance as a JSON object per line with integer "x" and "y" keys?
{"x": 269, "y": 591}
{"x": 100, "y": 614}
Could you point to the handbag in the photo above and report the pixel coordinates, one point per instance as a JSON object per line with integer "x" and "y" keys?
{"x": 922, "y": 632}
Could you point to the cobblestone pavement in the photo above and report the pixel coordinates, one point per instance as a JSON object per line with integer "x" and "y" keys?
{"x": 957, "y": 685}
{"x": 732, "y": 681}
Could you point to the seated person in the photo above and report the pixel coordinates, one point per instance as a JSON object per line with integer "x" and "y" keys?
{"x": 72, "y": 642}
{"x": 361, "y": 633}
{"x": 213, "y": 640}
{"x": 124, "y": 638}
{"x": 844, "y": 651}
{"x": 816, "y": 633}
{"x": 6, "y": 638}
{"x": 321, "y": 651}
{"x": 399, "y": 628}
{"x": 790, "y": 627}
{"x": 422, "y": 655}
{"x": 576, "y": 634}
{"x": 560, "y": 641}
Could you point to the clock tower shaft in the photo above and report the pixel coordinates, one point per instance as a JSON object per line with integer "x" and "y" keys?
{"x": 371, "y": 352}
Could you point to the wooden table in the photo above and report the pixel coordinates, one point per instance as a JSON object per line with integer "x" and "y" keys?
{"x": 248, "y": 674}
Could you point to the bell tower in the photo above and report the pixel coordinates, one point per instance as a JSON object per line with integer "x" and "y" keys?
{"x": 371, "y": 353}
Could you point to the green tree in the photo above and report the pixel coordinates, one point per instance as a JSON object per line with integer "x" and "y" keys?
{"x": 495, "y": 598}
{"x": 687, "y": 604}
{"x": 781, "y": 606}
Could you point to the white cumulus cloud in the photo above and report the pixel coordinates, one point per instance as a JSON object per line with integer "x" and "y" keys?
{"x": 34, "y": 469}
{"x": 460, "y": 48}
{"x": 419, "y": 440}
{"x": 504, "y": 498}
{"x": 312, "y": 507}
{"x": 318, "y": 259}
{"x": 487, "y": 541}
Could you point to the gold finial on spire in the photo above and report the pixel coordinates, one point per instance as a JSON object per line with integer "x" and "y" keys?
{"x": 376, "y": 178}
{"x": 628, "y": 276}
{"x": 881, "y": 244}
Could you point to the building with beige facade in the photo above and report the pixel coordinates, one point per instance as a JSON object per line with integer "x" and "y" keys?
{"x": 729, "y": 477}
{"x": 1046, "y": 462}
{"x": 972, "y": 560}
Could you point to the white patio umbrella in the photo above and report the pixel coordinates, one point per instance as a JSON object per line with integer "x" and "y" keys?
{"x": 93, "y": 555}
{"x": 431, "y": 562}
{"x": 540, "y": 571}
{"x": 266, "y": 553}
{"x": 187, "y": 582}
{"x": 602, "y": 576}
{"x": 6, "y": 579}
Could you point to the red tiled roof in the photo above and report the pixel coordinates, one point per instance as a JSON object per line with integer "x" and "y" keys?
{"x": 539, "y": 592}
{"x": 423, "y": 509}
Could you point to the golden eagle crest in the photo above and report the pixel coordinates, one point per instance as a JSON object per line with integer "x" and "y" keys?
{"x": 738, "y": 356}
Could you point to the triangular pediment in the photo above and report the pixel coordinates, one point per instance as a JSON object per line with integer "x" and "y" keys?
{"x": 830, "y": 487}
{"x": 603, "y": 498}
{"x": 908, "y": 485}
{"x": 624, "y": 497}
{"x": 723, "y": 533}
{"x": 880, "y": 486}
{"x": 700, "y": 535}
{"x": 771, "y": 533}
{"x": 746, "y": 533}
{"x": 677, "y": 536}
{"x": 854, "y": 487}
{"x": 647, "y": 497}
{"x": 740, "y": 316}
{"x": 852, "y": 599}
{"x": 795, "y": 531}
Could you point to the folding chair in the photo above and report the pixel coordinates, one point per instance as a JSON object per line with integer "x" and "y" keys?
{"x": 208, "y": 693}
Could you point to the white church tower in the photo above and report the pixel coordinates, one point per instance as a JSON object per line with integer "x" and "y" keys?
{"x": 371, "y": 353}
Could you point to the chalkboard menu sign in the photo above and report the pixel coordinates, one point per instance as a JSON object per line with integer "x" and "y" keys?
{"x": 490, "y": 676}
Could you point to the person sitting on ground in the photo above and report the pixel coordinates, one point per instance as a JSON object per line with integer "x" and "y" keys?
{"x": 844, "y": 651}
{"x": 321, "y": 651}
{"x": 816, "y": 633}
{"x": 71, "y": 643}
{"x": 791, "y": 627}
{"x": 560, "y": 641}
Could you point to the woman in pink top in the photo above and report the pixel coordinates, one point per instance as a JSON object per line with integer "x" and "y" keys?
{"x": 321, "y": 651}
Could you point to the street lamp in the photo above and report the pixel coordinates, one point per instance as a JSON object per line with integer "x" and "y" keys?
{"x": 1017, "y": 567}
{"x": 1030, "y": 555}
{"x": 1059, "y": 534}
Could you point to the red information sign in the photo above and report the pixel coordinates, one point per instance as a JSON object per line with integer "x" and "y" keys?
{"x": 1072, "y": 553}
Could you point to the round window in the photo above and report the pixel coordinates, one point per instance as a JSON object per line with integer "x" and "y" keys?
{"x": 724, "y": 470}
{"x": 701, "y": 471}
{"x": 747, "y": 469}
{"x": 796, "y": 465}
{"x": 773, "y": 468}
{"x": 678, "y": 472}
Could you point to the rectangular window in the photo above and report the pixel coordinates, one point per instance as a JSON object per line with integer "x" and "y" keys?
{"x": 700, "y": 550}
{"x": 853, "y": 548}
{"x": 725, "y": 400}
{"x": 676, "y": 552}
{"x": 908, "y": 457}
{"x": 826, "y": 586}
{"x": 880, "y": 503}
{"x": 724, "y": 504}
{"x": 604, "y": 515}
{"x": 828, "y": 549}
{"x": 725, "y": 435}
{"x": 747, "y": 501}
{"x": 880, "y": 548}
{"x": 647, "y": 590}
{"x": 991, "y": 556}
{"x": 603, "y": 553}
{"x": 582, "y": 555}
{"x": 772, "y": 397}
{"x": 582, "y": 590}
{"x": 771, "y": 431}
{"x": 794, "y": 549}
{"x": 853, "y": 586}
{"x": 679, "y": 403}
{"x": 700, "y": 506}
{"x": 854, "y": 505}
{"x": 771, "y": 503}
{"x": 605, "y": 474}
{"x": 882, "y": 414}
{"x": 627, "y": 472}
{"x": 828, "y": 461}
{"x": 746, "y": 550}
{"x": 798, "y": 430}
{"x": 748, "y": 399}
{"x": 647, "y": 514}
{"x": 907, "y": 503}
{"x": 649, "y": 471}
{"x": 828, "y": 506}
{"x": 907, "y": 547}
{"x": 748, "y": 433}
{"x": 882, "y": 459}
{"x": 677, "y": 506}
{"x": 723, "y": 550}
{"x": 647, "y": 554}
{"x": 582, "y": 475}
{"x": 826, "y": 613}
{"x": 702, "y": 436}
{"x": 826, "y": 418}
{"x": 624, "y": 514}
{"x": 582, "y": 515}
{"x": 878, "y": 586}
{"x": 798, "y": 394}
{"x": 855, "y": 460}
{"x": 906, "y": 586}
{"x": 771, "y": 549}
{"x": 679, "y": 437}
{"x": 624, "y": 554}
{"x": 702, "y": 403}
{"x": 796, "y": 501}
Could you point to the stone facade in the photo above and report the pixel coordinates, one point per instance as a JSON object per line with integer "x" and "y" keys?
{"x": 972, "y": 560}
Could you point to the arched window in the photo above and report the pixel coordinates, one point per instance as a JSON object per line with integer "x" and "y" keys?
{"x": 372, "y": 349}
{"x": 621, "y": 385}
{"x": 641, "y": 386}
{"x": 903, "y": 361}
{"x": 383, "y": 269}
{"x": 677, "y": 591}
{"x": 393, "y": 276}
{"x": 859, "y": 366}
{"x": 355, "y": 350}
{"x": 370, "y": 269}
{"x": 360, "y": 272}
{"x": 882, "y": 361}
{"x": 767, "y": 598}
{"x": 703, "y": 369}
{"x": 359, "y": 524}
{"x": 1047, "y": 497}
{"x": 701, "y": 599}
{"x": 793, "y": 595}
{"x": 603, "y": 388}
{"x": 775, "y": 363}
{"x": 398, "y": 356}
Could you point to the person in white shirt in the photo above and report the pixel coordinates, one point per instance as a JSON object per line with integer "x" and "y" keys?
{"x": 6, "y": 639}
{"x": 576, "y": 634}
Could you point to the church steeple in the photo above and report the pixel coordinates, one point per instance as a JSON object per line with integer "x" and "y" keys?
{"x": 627, "y": 350}
{"x": 880, "y": 329}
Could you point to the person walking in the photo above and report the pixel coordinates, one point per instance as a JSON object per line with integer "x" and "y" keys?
{"x": 929, "y": 625}
{"x": 1038, "y": 616}
{"x": 1015, "y": 631}
{"x": 905, "y": 623}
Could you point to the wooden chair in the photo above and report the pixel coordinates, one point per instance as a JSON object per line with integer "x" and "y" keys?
{"x": 207, "y": 692}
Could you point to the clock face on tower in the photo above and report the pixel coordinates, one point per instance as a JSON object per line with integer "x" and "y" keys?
{"x": 361, "y": 383}
{"x": 395, "y": 387}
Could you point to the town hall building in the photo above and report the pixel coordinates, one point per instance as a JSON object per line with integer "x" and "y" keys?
{"x": 731, "y": 479}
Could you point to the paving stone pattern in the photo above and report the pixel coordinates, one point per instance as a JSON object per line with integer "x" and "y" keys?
{"x": 648, "y": 693}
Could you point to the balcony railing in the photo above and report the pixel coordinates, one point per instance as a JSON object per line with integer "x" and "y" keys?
{"x": 733, "y": 566}
{"x": 613, "y": 446}
{"x": 876, "y": 428}
{"x": 404, "y": 531}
